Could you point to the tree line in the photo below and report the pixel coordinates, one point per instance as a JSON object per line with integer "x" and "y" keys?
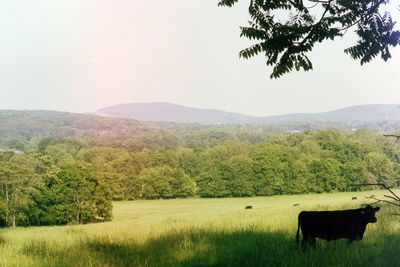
{"x": 35, "y": 190}
{"x": 71, "y": 180}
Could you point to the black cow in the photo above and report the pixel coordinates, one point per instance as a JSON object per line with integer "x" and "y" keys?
{"x": 332, "y": 225}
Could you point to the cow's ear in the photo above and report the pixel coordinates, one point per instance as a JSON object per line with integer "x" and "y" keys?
{"x": 377, "y": 208}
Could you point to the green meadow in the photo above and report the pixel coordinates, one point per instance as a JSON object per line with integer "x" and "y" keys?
{"x": 206, "y": 232}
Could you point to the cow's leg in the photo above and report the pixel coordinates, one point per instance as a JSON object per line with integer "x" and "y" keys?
{"x": 360, "y": 236}
{"x": 357, "y": 236}
{"x": 305, "y": 240}
{"x": 313, "y": 241}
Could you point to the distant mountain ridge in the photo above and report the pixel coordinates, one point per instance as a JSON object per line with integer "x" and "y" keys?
{"x": 160, "y": 111}
{"x": 124, "y": 122}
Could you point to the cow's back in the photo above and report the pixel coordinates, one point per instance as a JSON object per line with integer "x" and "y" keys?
{"x": 332, "y": 225}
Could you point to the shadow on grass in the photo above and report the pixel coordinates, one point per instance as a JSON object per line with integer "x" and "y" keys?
{"x": 216, "y": 248}
{"x": 199, "y": 248}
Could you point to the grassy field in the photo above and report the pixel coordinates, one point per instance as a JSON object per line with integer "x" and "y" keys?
{"x": 205, "y": 232}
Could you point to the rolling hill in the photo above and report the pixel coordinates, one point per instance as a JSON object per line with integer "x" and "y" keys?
{"x": 353, "y": 116}
{"x": 168, "y": 112}
{"x": 174, "y": 121}
{"x": 40, "y": 123}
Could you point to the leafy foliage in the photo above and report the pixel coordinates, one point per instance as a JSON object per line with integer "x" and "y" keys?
{"x": 285, "y": 43}
{"x": 68, "y": 180}
{"x": 36, "y": 191}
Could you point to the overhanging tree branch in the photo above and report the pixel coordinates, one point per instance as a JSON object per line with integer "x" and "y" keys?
{"x": 384, "y": 186}
{"x": 386, "y": 201}
{"x": 286, "y": 44}
{"x": 394, "y": 197}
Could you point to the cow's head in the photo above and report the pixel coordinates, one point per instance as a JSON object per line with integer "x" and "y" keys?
{"x": 369, "y": 213}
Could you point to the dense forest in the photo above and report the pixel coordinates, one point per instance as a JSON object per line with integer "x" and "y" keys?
{"x": 36, "y": 190}
{"x": 28, "y": 127}
{"x": 60, "y": 180}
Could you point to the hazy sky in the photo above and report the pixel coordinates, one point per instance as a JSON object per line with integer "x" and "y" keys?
{"x": 81, "y": 55}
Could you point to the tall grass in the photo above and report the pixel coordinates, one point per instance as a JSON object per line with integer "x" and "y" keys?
{"x": 205, "y": 232}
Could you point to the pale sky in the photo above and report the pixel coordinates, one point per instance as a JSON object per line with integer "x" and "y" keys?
{"x": 81, "y": 55}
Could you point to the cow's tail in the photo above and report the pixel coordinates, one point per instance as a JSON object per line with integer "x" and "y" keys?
{"x": 298, "y": 235}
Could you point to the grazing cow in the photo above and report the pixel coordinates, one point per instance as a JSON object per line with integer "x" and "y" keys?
{"x": 248, "y": 207}
{"x": 332, "y": 225}
{"x": 296, "y": 204}
{"x": 353, "y": 198}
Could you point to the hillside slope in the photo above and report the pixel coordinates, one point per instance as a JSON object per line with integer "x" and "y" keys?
{"x": 380, "y": 117}
{"x": 176, "y": 113}
{"x": 36, "y": 123}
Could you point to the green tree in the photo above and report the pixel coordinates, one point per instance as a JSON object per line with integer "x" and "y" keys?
{"x": 325, "y": 176}
{"x": 285, "y": 31}
{"x": 211, "y": 184}
{"x": 189, "y": 161}
{"x": 165, "y": 182}
{"x": 380, "y": 168}
{"x": 75, "y": 195}
{"x": 297, "y": 182}
{"x": 219, "y": 177}
{"x": 272, "y": 166}
{"x": 241, "y": 176}
{"x": 62, "y": 153}
{"x": 354, "y": 172}
{"x": 19, "y": 183}
{"x": 16, "y": 144}
{"x": 114, "y": 165}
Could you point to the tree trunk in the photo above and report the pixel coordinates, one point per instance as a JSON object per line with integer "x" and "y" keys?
{"x": 7, "y": 194}
{"x": 78, "y": 213}
{"x": 7, "y": 205}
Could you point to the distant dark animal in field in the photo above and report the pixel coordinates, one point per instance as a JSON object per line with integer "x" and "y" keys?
{"x": 354, "y": 198}
{"x": 296, "y": 204}
{"x": 248, "y": 207}
{"x": 332, "y": 225}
